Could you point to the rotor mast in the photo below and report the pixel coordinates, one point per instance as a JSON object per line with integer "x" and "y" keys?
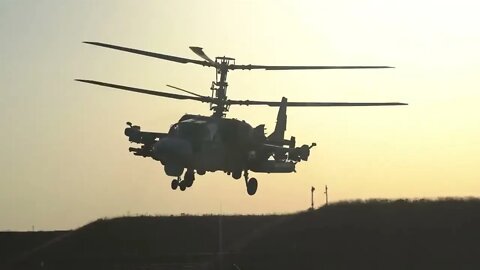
{"x": 219, "y": 86}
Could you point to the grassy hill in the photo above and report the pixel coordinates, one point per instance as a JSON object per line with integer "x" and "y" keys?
{"x": 377, "y": 234}
{"x": 401, "y": 234}
{"x": 16, "y": 245}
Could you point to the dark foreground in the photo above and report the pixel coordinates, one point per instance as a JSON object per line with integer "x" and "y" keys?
{"x": 442, "y": 234}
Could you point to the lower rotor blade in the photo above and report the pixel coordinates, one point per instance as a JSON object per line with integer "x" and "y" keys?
{"x": 148, "y": 92}
{"x": 250, "y": 67}
{"x": 313, "y": 104}
{"x": 183, "y": 90}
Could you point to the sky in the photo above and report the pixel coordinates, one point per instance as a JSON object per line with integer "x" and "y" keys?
{"x": 65, "y": 162}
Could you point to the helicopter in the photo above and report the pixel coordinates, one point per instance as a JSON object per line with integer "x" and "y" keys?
{"x": 197, "y": 144}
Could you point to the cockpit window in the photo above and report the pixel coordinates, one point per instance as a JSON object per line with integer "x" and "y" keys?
{"x": 193, "y": 130}
{"x": 173, "y": 130}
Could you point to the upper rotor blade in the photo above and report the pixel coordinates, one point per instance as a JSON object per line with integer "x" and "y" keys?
{"x": 199, "y": 51}
{"x": 250, "y": 67}
{"x": 152, "y": 54}
{"x": 148, "y": 92}
{"x": 312, "y": 104}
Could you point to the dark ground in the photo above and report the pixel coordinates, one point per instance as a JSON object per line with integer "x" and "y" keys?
{"x": 377, "y": 234}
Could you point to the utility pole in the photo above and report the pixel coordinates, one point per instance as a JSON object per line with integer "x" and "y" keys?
{"x": 312, "y": 190}
{"x": 220, "y": 242}
{"x": 326, "y": 195}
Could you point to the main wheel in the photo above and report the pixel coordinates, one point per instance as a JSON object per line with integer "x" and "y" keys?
{"x": 174, "y": 184}
{"x": 189, "y": 178}
{"x": 182, "y": 186}
{"x": 252, "y": 185}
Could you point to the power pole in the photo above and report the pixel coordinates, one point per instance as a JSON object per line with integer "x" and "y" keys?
{"x": 326, "y": 195}
{"x": 220, "y": 242}
{"x": 312, "y": 190}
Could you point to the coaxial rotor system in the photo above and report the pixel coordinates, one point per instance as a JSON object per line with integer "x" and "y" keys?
{"x": 219, "y": 103}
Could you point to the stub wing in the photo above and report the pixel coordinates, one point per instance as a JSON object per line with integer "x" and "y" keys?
{"x": 289, "y": 153}
{"x": 145, "y": 138}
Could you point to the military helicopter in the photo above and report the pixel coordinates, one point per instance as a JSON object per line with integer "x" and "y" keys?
{"x": 200, "y": 144}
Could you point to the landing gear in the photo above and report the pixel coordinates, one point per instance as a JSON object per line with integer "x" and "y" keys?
{"x": 174, "y": 184}
{"x": 189, "y": 177}
{"x": 182, "y": 185}
{"x": 251, "y": 184}
{"x": 187, "y": 181}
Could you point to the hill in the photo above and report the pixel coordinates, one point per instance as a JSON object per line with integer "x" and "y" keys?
{"x": 16, "y": 245}
{"x": 377, "y": 234}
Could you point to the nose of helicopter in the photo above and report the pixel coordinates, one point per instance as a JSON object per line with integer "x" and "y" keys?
{"x": 175, "y": 150}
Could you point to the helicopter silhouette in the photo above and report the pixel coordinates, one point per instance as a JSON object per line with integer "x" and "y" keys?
{"x": 200, "y": 144}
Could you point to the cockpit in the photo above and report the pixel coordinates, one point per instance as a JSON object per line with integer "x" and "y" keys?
{"x": 192, "y": 130}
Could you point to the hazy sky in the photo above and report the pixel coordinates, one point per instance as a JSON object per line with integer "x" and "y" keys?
{"x": 64, "y": 160}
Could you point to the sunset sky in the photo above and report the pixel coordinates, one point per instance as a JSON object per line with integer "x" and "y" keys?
{"x": 64, "y": 160}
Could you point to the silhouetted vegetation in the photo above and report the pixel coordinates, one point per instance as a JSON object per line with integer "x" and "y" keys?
{"x": 374, "y": 234}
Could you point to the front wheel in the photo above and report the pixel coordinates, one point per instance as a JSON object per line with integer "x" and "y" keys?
{"x": 252, "y": 185}
{"x": 174, "y": 184}
{"x": 182, "y": 185}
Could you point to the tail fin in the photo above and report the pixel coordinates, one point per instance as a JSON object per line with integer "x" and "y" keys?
{"x": 279, "y": 133}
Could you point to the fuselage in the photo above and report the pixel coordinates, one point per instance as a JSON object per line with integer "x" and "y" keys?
{"x": 209, "y": 144}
